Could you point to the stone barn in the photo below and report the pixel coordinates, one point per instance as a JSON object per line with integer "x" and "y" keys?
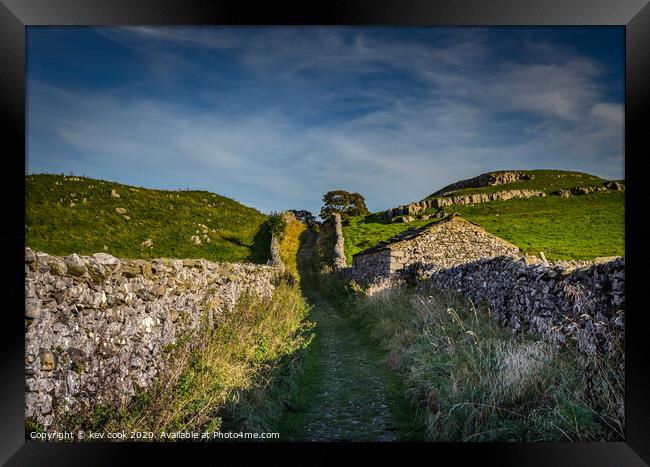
{"x": 446, "y": 243}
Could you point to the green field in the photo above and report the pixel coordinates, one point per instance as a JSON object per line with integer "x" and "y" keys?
{"x": 547, "y": 181}
{"x": 362, "y": 232}
{"x": 578, "y": 227}
{"x": 65, "y": 215}
{"x": 59, "y": 221}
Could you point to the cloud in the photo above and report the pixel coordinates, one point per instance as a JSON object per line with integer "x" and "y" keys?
{"x": 393, "y": 117}
{"x": 609, "y": 113}
{"x": 137, "y": 36}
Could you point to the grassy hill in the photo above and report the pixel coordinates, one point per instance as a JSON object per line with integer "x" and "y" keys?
{"x": 76, "y": 214}
{"x": 578, "y": 227}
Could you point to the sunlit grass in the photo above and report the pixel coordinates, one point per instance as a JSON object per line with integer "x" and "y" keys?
{"x": 579, "y": 227}
{"x": 75, "y": 214}
{"x": 290, "y": 244}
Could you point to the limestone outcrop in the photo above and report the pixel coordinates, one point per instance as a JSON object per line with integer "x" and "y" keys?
{"x": 443, "y": 198}
{"x": 487, "y": 179}
{"x": 444, "y": 201}
{"x": 585, "y": 190}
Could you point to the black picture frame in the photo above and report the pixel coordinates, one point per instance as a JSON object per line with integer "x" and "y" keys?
{"x": 15, "y": 15}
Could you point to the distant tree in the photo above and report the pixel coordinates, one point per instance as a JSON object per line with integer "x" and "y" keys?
{"x": 345, "y": 203}
{"x": 304, "y": 216}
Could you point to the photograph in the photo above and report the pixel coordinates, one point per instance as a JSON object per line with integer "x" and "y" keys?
{"x": 325, "y": 234}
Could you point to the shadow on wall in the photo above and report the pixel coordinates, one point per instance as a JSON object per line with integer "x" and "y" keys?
{"x": 306, "y": 259}
{"x": 260, "y": 251}
{"x": 324, "y": 248}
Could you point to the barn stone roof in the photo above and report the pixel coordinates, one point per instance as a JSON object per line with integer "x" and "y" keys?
{"x": 411, "y": 234}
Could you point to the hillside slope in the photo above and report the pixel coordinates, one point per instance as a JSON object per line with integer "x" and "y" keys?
{"x": 83, "y": 215}
{"x": 578, "y": 227}
{"x": 547, "y": 181}
{"x": 575, "y": 227}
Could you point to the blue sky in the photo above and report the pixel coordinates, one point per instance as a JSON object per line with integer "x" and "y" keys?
{"x": 274, "y": 117}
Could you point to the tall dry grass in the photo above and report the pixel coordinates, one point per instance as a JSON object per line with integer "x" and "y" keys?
{"x": 473, "y": 380}
{"x": 229, "y": 376}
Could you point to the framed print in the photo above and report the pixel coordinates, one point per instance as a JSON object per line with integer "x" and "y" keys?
{"x": 361, "y": 225}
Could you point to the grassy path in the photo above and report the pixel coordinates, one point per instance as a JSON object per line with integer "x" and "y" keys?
{"x": 346, "y": 394}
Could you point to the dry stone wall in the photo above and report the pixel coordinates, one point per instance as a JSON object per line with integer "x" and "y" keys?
{"x": 98, "y": 327}
{"x": 367, "y": 267}
{"x": 579, "y": 300}
{"x": 584, "y": 303}
{"x": 276, "y": 259}
{"x": 339, "y": 254}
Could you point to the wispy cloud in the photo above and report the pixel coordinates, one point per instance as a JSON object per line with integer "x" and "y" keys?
{"x": 275, "y": 117}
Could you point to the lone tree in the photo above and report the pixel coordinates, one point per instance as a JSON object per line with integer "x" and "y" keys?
{"x": 346, "y": 204}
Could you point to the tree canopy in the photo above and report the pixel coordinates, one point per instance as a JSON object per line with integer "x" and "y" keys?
{"x": 345, "y": 203}
{"x": 304, "y": 216}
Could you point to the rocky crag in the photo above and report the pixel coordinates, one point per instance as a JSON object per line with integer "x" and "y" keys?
{"x": 413, "y": 209}
{"x": 584, "y": 190}
{"x": 487, "y": 179}
{"x": 445, "y": 198}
